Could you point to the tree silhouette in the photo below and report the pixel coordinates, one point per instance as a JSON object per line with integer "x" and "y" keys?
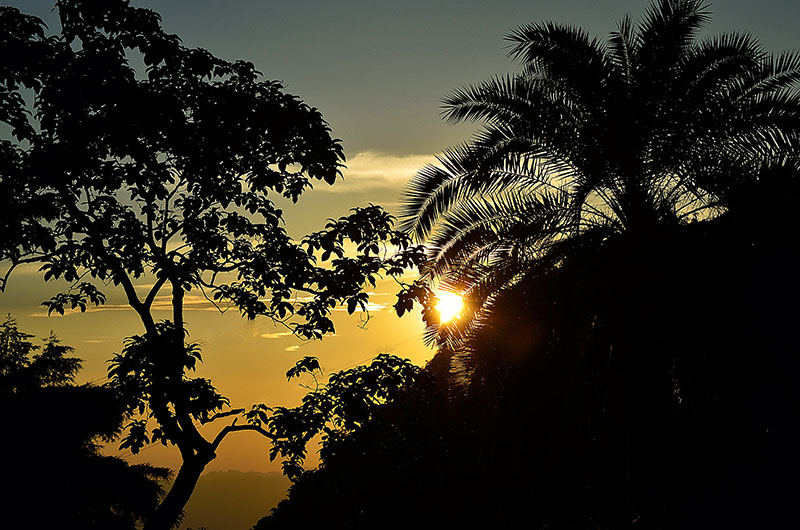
{"x": 54, "y": 464}
{"x": 649, "y": 129}
{"x": 117, "y": 174}
{"x": 383, "y": 440}
{"x": 22, "y": 369}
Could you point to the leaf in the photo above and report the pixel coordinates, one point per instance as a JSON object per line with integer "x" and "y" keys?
{"x": 305, "y": 365}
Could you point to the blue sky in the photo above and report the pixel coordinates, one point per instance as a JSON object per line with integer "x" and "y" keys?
{"x": 377, "y": 69}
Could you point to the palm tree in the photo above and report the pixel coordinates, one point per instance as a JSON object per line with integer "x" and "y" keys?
{"x": 652, "y": 128}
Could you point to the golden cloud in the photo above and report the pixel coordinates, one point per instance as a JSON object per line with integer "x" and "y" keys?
{"x": 371, "y": 170}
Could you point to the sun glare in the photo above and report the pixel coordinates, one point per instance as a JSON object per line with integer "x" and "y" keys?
{"x": 449, "y": 306}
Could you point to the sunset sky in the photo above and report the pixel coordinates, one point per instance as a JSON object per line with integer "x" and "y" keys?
{"x": 377, "y": 71}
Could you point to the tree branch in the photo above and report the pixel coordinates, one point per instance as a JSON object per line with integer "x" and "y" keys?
{"x": 189, "y": 429}
{"x": 134, "y": 302}
{"x": 233, "y": 412}
{"x": 177, "y": 306}
{"x": 151, "y": 295}
{"x": 233, "y": 428}
{"x": 15, "y": 264}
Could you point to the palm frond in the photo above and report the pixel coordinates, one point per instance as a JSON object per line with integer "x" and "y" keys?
{"x": 621, "y": 49}
{"x": 559, "y": 52}
{"x": 666, "y": 32}
{"x": 514, "y": 103}
{"x": 482, "y": 228}
{"x": 651, "y": 128}
{"x": 428, "y": 195}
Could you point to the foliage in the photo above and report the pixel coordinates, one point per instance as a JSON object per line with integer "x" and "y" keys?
{"x": 54, "y": 451}
{"x": 335, "y": 410}
{"x": 629, "y": 388}
{"x": 167, "y": 172}
{"x": 146, "y": 383}
{"x": 397, "y": 452}
{"x": 651, "y": 128}
{"x": 631, "y": 368}
{"x": 21, "y": 368}
{"x": 118, "y": 174}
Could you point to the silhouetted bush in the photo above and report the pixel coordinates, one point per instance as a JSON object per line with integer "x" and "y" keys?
{"x": 55, "y": 474}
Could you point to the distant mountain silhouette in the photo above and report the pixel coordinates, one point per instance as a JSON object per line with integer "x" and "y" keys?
{"x": 233, "y": 500}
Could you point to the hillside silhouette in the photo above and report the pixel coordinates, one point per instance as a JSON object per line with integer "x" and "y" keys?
{"x": 233, "y": 500}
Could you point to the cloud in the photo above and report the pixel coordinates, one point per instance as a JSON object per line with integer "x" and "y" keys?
{"x": 377, "y": 294}
{"x": 371, "y": 170}
{"x": 371, "y": 306}
{"x": 279, "y": 335}
{"x": 291, "y": 348}
{"x": 161, "y": 303}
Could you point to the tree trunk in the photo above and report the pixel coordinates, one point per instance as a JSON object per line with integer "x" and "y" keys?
{"x": 170, "y": 512}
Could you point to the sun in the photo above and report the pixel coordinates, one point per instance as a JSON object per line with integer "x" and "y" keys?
{"x": 449, "y": 306}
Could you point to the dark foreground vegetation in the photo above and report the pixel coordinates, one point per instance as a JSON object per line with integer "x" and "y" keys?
{"x": 622, "y": 228}
{"x": 131, "y": 162}
{"x": 642, "y": 384}
{"x": 55, "y": 473}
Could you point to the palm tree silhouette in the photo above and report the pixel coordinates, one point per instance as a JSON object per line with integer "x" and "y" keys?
{"x": 650, "y": 129}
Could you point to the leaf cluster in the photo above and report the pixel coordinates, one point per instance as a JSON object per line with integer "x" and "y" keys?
{"x": 343, "y": 405}
{"x": 25, "y": 366}
{"x": 150, "y": 377}
{"x": 171, "y": 171}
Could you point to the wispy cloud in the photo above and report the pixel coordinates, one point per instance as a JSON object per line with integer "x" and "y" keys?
{"x": 370, "y": 170}
{"x": 161, "y": 303}
{"x": 279, "y": 335}
{"x": 377, "y": 294}
{"x": 292, "y": 348}
{"x": 98, "y": 340}
{"x": 371, "y": 306}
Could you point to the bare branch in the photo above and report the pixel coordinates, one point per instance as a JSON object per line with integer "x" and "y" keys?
{"x": 151, "y": 295}
{"x": 233, "y": 412}
{"x": 234, "y": 428}
{"x": 15, "y": 264}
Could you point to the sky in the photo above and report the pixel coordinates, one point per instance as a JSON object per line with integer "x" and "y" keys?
{"x": 377, "y": 71}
